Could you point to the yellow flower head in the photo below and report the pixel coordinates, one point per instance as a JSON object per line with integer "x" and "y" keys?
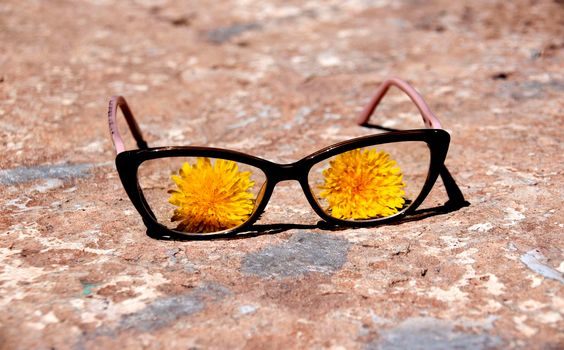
{"x": 211, "y": 198}
{"x": 363, "y": 184}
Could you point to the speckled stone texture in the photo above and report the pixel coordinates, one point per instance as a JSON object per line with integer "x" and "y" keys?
{"x": 280, "y": 79}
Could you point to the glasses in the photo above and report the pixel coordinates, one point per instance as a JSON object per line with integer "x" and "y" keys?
{"x": 365, "y": 181}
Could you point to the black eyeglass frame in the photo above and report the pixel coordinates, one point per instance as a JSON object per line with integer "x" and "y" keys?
{"x": 437, "y": 139}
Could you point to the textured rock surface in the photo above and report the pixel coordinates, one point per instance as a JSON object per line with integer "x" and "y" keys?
{"x": 280, "y": 79}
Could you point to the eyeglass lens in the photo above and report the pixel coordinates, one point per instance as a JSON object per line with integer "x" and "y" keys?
{"x": 200, "y": 194}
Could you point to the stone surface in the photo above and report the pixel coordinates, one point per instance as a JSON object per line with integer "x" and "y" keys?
{"x": 304, "y": 253}
{"x": 430, "y": 333}
{"x": 280, "y": 80}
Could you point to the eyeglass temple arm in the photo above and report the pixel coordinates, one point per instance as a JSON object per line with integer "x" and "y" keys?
{"x": 455, "y": 196}
{"x": 119, "y": 101}
{"x": 430, "y": 120}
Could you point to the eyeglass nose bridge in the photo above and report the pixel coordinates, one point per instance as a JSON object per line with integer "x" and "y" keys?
{"x": 288, "y": 172}
{"x": 277, "y": 173}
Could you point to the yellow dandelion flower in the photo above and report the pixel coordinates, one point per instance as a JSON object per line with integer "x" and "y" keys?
{"x": 211, "y": 198}
{"x": 363, "y": 184}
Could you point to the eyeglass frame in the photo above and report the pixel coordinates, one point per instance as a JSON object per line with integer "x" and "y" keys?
{"x": 437, "y": 139}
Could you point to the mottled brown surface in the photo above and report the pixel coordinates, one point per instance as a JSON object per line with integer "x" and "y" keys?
{"x": 280, "y": 79}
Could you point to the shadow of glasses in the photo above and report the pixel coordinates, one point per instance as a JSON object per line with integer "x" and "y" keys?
{"x": 271, "y": 229}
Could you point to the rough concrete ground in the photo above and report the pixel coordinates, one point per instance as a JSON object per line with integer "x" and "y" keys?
{"x": 280, "y": 79}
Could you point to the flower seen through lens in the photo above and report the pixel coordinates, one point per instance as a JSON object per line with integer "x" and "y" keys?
{"x": 363, "y": 184}
{"x": 211, "y": 198}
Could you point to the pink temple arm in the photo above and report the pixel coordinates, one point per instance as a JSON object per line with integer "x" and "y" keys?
{"x": 456, "y": 198}
{"x": 119, "y": 101}
{"x": 429, "y": 118}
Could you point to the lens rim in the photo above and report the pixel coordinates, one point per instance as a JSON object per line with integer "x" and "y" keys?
{"x": 436, "y": 139}
{"x": 128, "y": 166}
{"x": 128, "y": 162}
